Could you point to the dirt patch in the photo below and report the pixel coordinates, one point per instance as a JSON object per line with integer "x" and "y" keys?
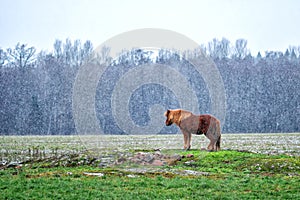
{"x": 150, "y": 159}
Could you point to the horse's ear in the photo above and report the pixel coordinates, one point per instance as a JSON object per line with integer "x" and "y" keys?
{"x": 167, "y": 113}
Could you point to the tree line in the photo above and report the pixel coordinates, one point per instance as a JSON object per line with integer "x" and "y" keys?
{"x": 262, "y": 91}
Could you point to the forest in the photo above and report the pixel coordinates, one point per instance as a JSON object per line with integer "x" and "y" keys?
{"x": 262, "y": 90}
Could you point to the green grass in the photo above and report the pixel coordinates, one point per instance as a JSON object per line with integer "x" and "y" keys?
{"x": 232, "y": 175}
{"x": 242, "y": 162}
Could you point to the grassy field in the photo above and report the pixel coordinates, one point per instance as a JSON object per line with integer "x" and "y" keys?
{"x": 250, "y": 166}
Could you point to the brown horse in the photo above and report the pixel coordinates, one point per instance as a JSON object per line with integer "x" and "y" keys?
{"x": 196, "y": 124}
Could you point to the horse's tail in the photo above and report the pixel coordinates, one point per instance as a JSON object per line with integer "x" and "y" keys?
{"x": 218, "y": 132}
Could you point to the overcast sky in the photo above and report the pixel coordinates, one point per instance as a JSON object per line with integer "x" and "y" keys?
{"x": 266, "y": 24}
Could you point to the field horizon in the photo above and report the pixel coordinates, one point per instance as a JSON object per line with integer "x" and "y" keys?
{"x": 266, "y": 143}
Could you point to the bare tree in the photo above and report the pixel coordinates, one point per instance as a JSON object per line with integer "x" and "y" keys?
{"x": 21, "y": 56}
{"x": 87, "y": 51}
{"x": 241, "y": 50}
{"x": 58, "y": 49}
{"x": 103, "y": 56}
{"x": 3, "y": 57}
{"x": 219, "y": 49}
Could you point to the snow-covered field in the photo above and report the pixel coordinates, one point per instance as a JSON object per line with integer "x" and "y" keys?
{"x": 22, "y": 148}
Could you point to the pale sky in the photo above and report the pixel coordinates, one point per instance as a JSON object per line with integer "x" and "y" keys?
{"x": 266, "y": 24}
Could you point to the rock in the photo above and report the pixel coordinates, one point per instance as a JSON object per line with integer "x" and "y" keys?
{"x": 14, "y": 165}
{"x": 121, "y": 160}
{"x": 176, "y": 157}
{"x": 3, "y": 163}
{"x": 141, "y": 154}
{"x": 195, "y": 173}
{"x": 18, "y": 167}
{"x": 136, "y": 160}
{"x": 131, "y": 176}
{"x": 93, "y": 174}
{"x": 190, "y": 156}
{"x": 148, "y": 158}
{"x": 189, "y": 163}
{"x": 101, "y": 165}
{"x": 154, "y": 159}
{"x": 157, "y": 163}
